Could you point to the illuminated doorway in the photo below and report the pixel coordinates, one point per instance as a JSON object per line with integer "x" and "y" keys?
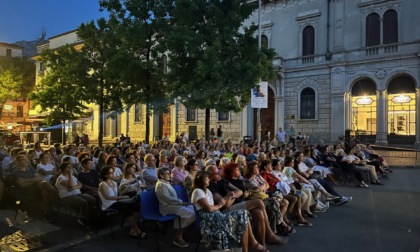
{"x": 363, "y": 107}
{"x": 402, "y": 106}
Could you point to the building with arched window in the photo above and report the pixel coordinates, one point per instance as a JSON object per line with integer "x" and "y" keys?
{"x": 344, "y": 64}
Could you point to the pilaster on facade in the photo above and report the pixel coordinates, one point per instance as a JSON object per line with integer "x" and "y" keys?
{"x": 418, "y": 115}
{"x": 381, "y": 118}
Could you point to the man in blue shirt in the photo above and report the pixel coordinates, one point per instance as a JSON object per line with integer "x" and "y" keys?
{"x": 149, "y": 172}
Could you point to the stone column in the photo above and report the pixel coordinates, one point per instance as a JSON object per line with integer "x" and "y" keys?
{"x": 348, "y": 119}
{"x": 381, "y": 122}
{"x": 279, "y": 102}
{"x": 338, "y": 114}
{"x": 418, "y": 117}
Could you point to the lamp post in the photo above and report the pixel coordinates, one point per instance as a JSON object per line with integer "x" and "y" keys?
{"x": 259, "y": 50}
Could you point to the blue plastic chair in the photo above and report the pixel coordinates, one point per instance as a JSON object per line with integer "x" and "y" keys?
{"x": 181, "y": 193}
{"x": 197, "y": 227}
{"x": 149, "y": 206}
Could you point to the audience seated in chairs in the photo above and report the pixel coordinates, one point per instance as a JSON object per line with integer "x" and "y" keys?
{"x": 227, "y": 194}
{"x": 169, "y": 203}
{"x": 217, "y": 227}
{"x": 89, "y": 179}
{"x": 108, "y": 192}
{"x": 30, "y": 185}
{"x": 69, "y": 191}
{"x": 132, "y": 184}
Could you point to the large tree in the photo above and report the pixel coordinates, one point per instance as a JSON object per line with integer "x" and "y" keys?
{"x": 60, "y": 92}
{"x": 101, "y": 48}
{"x": 17, "y": 79}
{"x": 137, "y": 64}
{"x": 214, "y": 59}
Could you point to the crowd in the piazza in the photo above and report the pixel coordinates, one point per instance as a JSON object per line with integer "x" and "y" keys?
{"x": 255, "y": 193}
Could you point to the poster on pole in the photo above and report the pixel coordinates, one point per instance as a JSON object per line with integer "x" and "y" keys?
{"x": 259, "y": 95}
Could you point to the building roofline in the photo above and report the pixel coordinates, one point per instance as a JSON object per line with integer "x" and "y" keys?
{"x": 10, "y": 45}
{"x": 59, "y": 35}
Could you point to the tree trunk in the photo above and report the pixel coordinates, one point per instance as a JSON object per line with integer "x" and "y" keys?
{"x": 147, "y": 123}
{"x": 207, "y": 125}
{"x": 1, "y": 111}
{"x": 101, "y": 116}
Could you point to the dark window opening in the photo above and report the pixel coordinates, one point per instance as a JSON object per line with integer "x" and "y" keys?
{"x": 373, "y": 27}
{"x": 307, "y": 104}
{"x": 308, "y": 41}
{"x": 390, "y": 27}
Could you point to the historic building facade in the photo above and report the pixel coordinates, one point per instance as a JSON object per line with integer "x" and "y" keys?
{"x": 344, "y": 64}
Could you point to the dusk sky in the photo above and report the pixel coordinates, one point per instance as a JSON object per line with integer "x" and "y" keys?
{"x": 24, "y": 19}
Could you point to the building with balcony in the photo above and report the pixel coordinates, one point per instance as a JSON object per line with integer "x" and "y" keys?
{"x": 344, "y": 64}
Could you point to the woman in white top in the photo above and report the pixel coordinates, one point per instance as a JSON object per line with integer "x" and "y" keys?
{"x": 131, "y": 184}
{"x": 69, "y": 191}
{"x": 306, "y": 172}
{"x": 216, "y": 227}
{"x": 45, "y": 168}
{"x": 169, "y": 203}
{"x": 108, "y": 192}
{"x": 38, "y": 150}
{"x": 112, "y": 161}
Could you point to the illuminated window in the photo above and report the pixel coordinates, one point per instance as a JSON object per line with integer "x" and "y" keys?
{"x": 402, "y": 106}
{"x": 363, "y": 103}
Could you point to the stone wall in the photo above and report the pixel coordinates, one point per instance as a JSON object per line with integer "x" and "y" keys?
{"x": 231, "y": 129}
{"x": 320, "y": 126}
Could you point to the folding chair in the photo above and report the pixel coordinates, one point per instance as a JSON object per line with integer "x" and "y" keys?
{"x": 181, "y": 193}
{"x": 150, "y": 213}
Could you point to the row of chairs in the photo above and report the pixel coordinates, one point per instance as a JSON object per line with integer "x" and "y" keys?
{"x": 150, "y": 212}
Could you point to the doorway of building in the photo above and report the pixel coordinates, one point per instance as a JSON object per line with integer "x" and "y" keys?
{"x": 164, "y": 124}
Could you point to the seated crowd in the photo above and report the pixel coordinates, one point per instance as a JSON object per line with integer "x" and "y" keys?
{"x": 228, "y": 185}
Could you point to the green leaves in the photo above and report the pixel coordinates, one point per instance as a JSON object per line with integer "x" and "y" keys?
{"x": 17, "y": 78}
{"x": 214, "y": 61}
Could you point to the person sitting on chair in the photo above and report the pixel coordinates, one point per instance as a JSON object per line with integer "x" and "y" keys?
{"x": 30, "y": 184}
{"x": 169, "y": 203}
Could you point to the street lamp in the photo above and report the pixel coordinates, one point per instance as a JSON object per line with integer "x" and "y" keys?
{"x": 259, "y": 50}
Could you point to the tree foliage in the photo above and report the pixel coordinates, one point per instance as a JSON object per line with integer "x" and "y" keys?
{"x": 214, "y": 59}
{"x": 137, "y": 64}
{"x": 17, "y": 79}
{"x": 60, "y": 92}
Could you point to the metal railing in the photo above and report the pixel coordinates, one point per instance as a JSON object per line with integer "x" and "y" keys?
{"x": 400, "y": 150}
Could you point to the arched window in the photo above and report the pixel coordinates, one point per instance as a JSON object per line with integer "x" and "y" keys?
{"x": 364, "y": 107}
{"x": 373, "y": 27}
{"x": 402, "y": 106}
{"x": 308, "y": 41}
{"x": 307, "y": 104}
{"x": 264, "y": 41}
{"x": 390, "y": 27}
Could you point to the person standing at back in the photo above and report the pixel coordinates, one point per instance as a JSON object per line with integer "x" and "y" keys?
{"x": 292, "y": 136}
{"x": 220, "y": 134}
{"x": 280, "y": 136}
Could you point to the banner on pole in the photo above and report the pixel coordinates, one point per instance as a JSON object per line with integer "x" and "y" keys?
{"x": 259, "y": 95}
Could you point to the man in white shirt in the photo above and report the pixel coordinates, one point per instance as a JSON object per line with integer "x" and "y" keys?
{"x": 281, "y": 137}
